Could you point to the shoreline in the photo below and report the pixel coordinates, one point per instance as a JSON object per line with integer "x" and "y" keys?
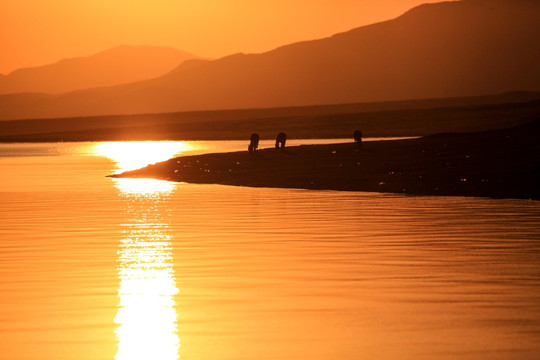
{"x": 407, "y": 118}
{"x": 496, "y": 164}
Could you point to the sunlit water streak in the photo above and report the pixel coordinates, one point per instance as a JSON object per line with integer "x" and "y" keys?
{"x": 146, "y": 318}
{"x": 147, "y": 315}
{"x": 130, "y": 155}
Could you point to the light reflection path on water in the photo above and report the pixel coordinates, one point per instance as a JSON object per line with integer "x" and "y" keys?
{"x": 146, "y": 317}
{"x": 131, "y": 155}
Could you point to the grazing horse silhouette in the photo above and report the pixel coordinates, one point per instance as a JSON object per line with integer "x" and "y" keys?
{"x": 358, "y": 138}
{"x": 254, "y": 144}
{"x": 280, "y": 141}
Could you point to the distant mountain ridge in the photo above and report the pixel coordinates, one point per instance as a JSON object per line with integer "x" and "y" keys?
{"x": 448, "y": 49}
{"x": 118, "y": 65}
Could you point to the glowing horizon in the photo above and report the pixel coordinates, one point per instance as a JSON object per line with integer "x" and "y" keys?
{"x": 131, "y": 155}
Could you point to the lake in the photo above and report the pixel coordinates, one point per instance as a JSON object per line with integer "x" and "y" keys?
{"x": 99, "y": 268}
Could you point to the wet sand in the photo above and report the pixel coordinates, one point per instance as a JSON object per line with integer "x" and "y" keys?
{"x": 499, "y": 164}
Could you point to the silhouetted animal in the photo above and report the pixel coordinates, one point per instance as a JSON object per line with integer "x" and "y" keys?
{"x": 280, "y": 140}
{"x": 358, "y": 138}
{"x": 254, "y": 144}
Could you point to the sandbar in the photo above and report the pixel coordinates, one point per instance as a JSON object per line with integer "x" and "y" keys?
{"x": 496, "y": 164}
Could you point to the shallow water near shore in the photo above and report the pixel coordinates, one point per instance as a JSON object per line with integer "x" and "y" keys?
{"x": 99, "y": 268}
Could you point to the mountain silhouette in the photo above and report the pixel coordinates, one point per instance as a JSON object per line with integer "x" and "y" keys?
{"x": 448, "y": 49}
{"x": 119, "y": 65}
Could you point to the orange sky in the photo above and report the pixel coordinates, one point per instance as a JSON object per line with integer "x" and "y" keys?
{"x": 38, "y": 32}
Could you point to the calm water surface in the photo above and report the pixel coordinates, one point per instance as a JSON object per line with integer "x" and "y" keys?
{"x": 96, "y": 268}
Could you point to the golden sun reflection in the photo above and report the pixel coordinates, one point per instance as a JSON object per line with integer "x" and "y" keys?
{"x": 131, "y": 155}
{"x": 144, "y": 186}
{"x": 147, "y": 318}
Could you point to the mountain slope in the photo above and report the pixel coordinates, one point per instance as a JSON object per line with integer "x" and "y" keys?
{"x": 119, "y": 65}
{"x": 448, "y": 49}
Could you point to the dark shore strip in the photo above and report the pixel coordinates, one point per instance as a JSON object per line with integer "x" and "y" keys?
{"x": 497, "y": 164}
{"x": 389, "y": 119}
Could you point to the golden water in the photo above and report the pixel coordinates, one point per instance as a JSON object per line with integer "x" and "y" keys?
{"x": 96, "y": 268}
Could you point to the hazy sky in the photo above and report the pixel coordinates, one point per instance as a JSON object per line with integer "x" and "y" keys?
{"x": 37, "y": 32}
